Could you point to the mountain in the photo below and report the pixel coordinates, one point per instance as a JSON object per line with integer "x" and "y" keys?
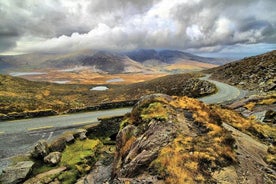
{"x": 253, "y": 73}
{"x": 170, "y": 56}
{"x": 110, "y": 62}
{"x": 99, "y": 61}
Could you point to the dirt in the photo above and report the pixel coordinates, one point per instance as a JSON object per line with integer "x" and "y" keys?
{"x": 251, "y": 168}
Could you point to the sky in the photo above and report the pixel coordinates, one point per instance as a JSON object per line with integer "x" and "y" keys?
{"x": 207, "y": 27}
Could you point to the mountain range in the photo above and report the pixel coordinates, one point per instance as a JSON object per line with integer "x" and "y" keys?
{"x": 106, "y": 61}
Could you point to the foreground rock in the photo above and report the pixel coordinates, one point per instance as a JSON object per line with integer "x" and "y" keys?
{"x": 17, "y": 173}
{"x": 171, "y": 140}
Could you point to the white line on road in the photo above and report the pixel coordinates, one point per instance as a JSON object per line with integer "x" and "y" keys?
{"x": 50, "y": 136}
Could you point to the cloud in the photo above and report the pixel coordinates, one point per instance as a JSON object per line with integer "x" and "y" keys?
{"x": 63, "y": 26}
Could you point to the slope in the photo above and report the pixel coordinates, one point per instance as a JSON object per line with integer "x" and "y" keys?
{"x": 253, "y": 73}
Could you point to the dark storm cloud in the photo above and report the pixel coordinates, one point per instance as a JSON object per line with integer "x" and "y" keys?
{"x": 68, "y": 25}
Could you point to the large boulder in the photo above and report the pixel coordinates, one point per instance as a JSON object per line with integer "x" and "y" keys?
{"x": 165, "y": 136}
{"x": 40, "y": 150}
{"x": 53, "y": 158}
{"x": 58, "y": 144}
{"x": 16, "y": 173}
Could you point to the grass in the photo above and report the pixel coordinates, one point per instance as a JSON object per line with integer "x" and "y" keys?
{"x": 21, "y": 96}
{"x": 265, "y": 132}
{"x": 263, "y": 100}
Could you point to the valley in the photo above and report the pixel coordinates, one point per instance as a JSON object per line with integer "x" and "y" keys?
{"x": 244, "y": 141}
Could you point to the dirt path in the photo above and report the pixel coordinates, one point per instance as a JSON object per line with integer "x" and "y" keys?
{"x": 251, "y": 169}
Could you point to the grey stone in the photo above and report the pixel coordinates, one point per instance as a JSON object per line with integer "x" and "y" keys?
{"x": 40, "y": 150}
{"x": 17, "y": 173}
{"x": 53, "y": 158}
{"x": 69, "y": 138}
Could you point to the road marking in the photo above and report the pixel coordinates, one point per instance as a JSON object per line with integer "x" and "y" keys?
{"x": 51, "y": 134}
{"x": 39, "y": 128}
{"x": 78, "y": 123}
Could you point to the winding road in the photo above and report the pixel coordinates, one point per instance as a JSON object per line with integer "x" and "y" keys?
{"x": 18, "y": 136}
{"x": 225, "y": 92}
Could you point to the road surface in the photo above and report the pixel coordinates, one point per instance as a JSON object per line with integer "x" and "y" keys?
{"x": 34, "y": 124}
{"x": 224, "y": 93}
{"x": 18, "y": 136}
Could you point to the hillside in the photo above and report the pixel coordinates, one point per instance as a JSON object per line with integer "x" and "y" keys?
{"x": 106, "y": 62}
{"x": 165, "y": 139}
{"x": 19, "y": 95}
{"x": 99, "y": 61}
{"x": 253, "y": 73}
{"x": 170, "y": 56}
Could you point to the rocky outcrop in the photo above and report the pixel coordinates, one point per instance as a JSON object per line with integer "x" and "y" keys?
{"x": 270, "y": 116}
{"x": 16, "y": 173}
{"x": 163, "y": 134}
{"x": 198, "y": 88}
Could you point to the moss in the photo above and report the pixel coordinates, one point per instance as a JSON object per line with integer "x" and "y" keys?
{"x": 155, "y": 110}
{"x": 41, "y": 167}
{"x": 79, "y": 152}
{"x": 68, "y": 177}
{"x": 126, "y": 121}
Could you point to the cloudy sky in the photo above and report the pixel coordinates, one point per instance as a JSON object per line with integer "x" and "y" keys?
{"x": 241, "y": 27}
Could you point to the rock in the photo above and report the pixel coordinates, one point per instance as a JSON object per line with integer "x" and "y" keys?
{"x": 46, "y": 177}
{"x": 270, "y": 117}
{"x": 17, "y": 173}
{"x": 165, "y": 137}
{"x": 144, "y": 179}
{"x": 227, "y": 175}
{"x": 40, "y": 150}
{"x": 83, "y": 136}
{"x": 69, "y": 138}
{"x": 153, "y": 135}
{"x": 53, "y": 158}
{"x": 58, "y": 144}
{"x": 101, "y": 174}
{"x": 272, "y": 150}
{"x": 81, "y": 133}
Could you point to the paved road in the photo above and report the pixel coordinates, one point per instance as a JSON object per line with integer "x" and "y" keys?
{"x": 225, "y": 92}
{"x": 34, "y": 124}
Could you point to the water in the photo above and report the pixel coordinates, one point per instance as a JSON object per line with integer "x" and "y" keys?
{"x": 61, "y": 81}
{"x": 16, "y": 74}
{"x": 99, "y": 88}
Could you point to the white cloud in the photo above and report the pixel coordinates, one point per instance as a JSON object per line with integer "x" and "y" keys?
{"x": 68, "y": 25}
